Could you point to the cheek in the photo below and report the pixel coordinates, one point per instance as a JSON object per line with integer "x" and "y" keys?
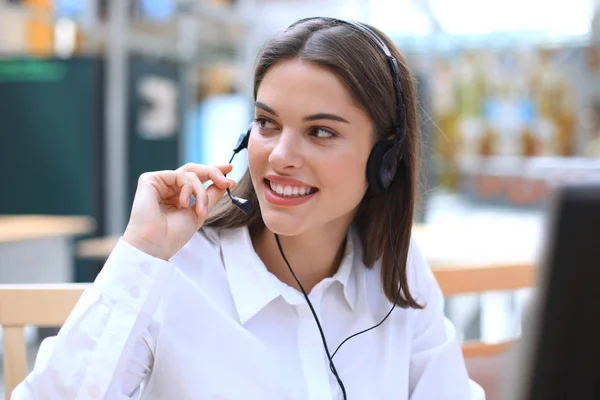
{"x": 347, "y": 175}
{"x": 258, "y": 155}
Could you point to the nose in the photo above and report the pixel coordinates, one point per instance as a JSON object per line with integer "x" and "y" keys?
{"x": 287, "y": 152}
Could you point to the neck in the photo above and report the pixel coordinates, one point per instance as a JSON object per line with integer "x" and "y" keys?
{"x": 313, "y": 257}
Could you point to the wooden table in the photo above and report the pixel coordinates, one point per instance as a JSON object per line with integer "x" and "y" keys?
{"x": 23, "y": 227}
{"x": 484, "y": 252}
{"x": 39, "y": 248}
{"x": 97, "y": 248}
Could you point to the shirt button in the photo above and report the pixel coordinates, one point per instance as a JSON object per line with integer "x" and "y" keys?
{"x": 134, "y": 292}
{"x": 145, "y": 268}
{"x": 94, "y": 391}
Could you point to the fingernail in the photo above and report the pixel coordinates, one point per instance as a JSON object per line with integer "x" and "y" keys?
{"x": 205, "y": 209}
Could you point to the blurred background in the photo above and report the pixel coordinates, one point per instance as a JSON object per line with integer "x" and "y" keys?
{"x": 95, "y": 92}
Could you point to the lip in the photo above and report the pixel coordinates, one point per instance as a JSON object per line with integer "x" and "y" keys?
{"x": 275, "y": 199}
{"x": 282, "y": 180}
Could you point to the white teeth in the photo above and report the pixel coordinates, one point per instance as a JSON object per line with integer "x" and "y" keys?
{"x": 289, "y": 190}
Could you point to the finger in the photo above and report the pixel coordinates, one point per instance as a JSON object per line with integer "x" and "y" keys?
{"x": 216, "y": 173}
{"x": 184, "y": 182}
{"x": 163, "y": 183}
{"x": 200, "y": 168}
{"x": 201, "y": 206}
{"x": 214, "y": 194}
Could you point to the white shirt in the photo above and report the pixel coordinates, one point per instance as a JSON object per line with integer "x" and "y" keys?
{"x": 214, "y": 323}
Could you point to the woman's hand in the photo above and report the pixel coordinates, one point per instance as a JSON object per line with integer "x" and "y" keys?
{"x": 162, "y": 220}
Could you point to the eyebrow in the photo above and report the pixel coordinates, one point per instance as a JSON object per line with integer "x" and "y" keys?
{"x": 313, "y": 117}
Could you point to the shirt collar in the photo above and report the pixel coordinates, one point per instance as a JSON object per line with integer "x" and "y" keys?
{"x": 253, "y": 287}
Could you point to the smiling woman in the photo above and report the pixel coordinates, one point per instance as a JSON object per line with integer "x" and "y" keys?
{"x": 321, "y": 109}
{"x": 212, "y": 301}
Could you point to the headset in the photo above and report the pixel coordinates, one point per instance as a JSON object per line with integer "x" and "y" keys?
{"x": 382, "y": 167}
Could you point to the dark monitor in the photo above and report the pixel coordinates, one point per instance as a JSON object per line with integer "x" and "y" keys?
{"x": 558, "y": 355}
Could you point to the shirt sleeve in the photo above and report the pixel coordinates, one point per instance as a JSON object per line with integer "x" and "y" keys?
{"x": 437, "y": 366}
{"x": 104, "y": 349}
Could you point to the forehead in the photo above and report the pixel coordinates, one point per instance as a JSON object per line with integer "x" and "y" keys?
{"x": 304, "y": 86}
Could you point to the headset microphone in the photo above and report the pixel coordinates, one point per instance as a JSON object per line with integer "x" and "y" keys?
{"x": 243, "y": 205}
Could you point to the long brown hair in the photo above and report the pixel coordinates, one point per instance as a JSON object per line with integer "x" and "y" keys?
{"x": 356, "y": 60}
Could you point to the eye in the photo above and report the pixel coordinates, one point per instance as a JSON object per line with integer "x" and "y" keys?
{"x": 264, "y": 123}
{"x": 322, "y": 133}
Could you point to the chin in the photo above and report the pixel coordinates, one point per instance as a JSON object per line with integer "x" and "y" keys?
{"x": 283, "y": 224}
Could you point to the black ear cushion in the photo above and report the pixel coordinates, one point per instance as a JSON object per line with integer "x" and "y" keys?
{"x": 374, "y": 166}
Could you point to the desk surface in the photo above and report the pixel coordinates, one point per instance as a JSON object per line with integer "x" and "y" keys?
{"x": 97, "y": 248}
{"x": 474, "y": 243}
{"x": 28, "y": 227}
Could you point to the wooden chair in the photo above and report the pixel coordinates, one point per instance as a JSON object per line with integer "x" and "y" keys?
{"x": 35, "y": 304}
{"x": 50, "y": 305}
{"x": 485, "y": 362}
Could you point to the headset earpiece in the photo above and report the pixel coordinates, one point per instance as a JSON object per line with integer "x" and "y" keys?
{"x": 380, "y": 174}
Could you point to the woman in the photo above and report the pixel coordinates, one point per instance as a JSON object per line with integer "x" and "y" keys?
{"x": 208, "y": 302}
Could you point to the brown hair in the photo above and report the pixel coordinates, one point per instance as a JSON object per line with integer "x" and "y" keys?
{"x": 353, "y": 56}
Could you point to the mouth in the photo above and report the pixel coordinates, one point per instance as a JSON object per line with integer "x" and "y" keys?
{"x": 290, "y": 191}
